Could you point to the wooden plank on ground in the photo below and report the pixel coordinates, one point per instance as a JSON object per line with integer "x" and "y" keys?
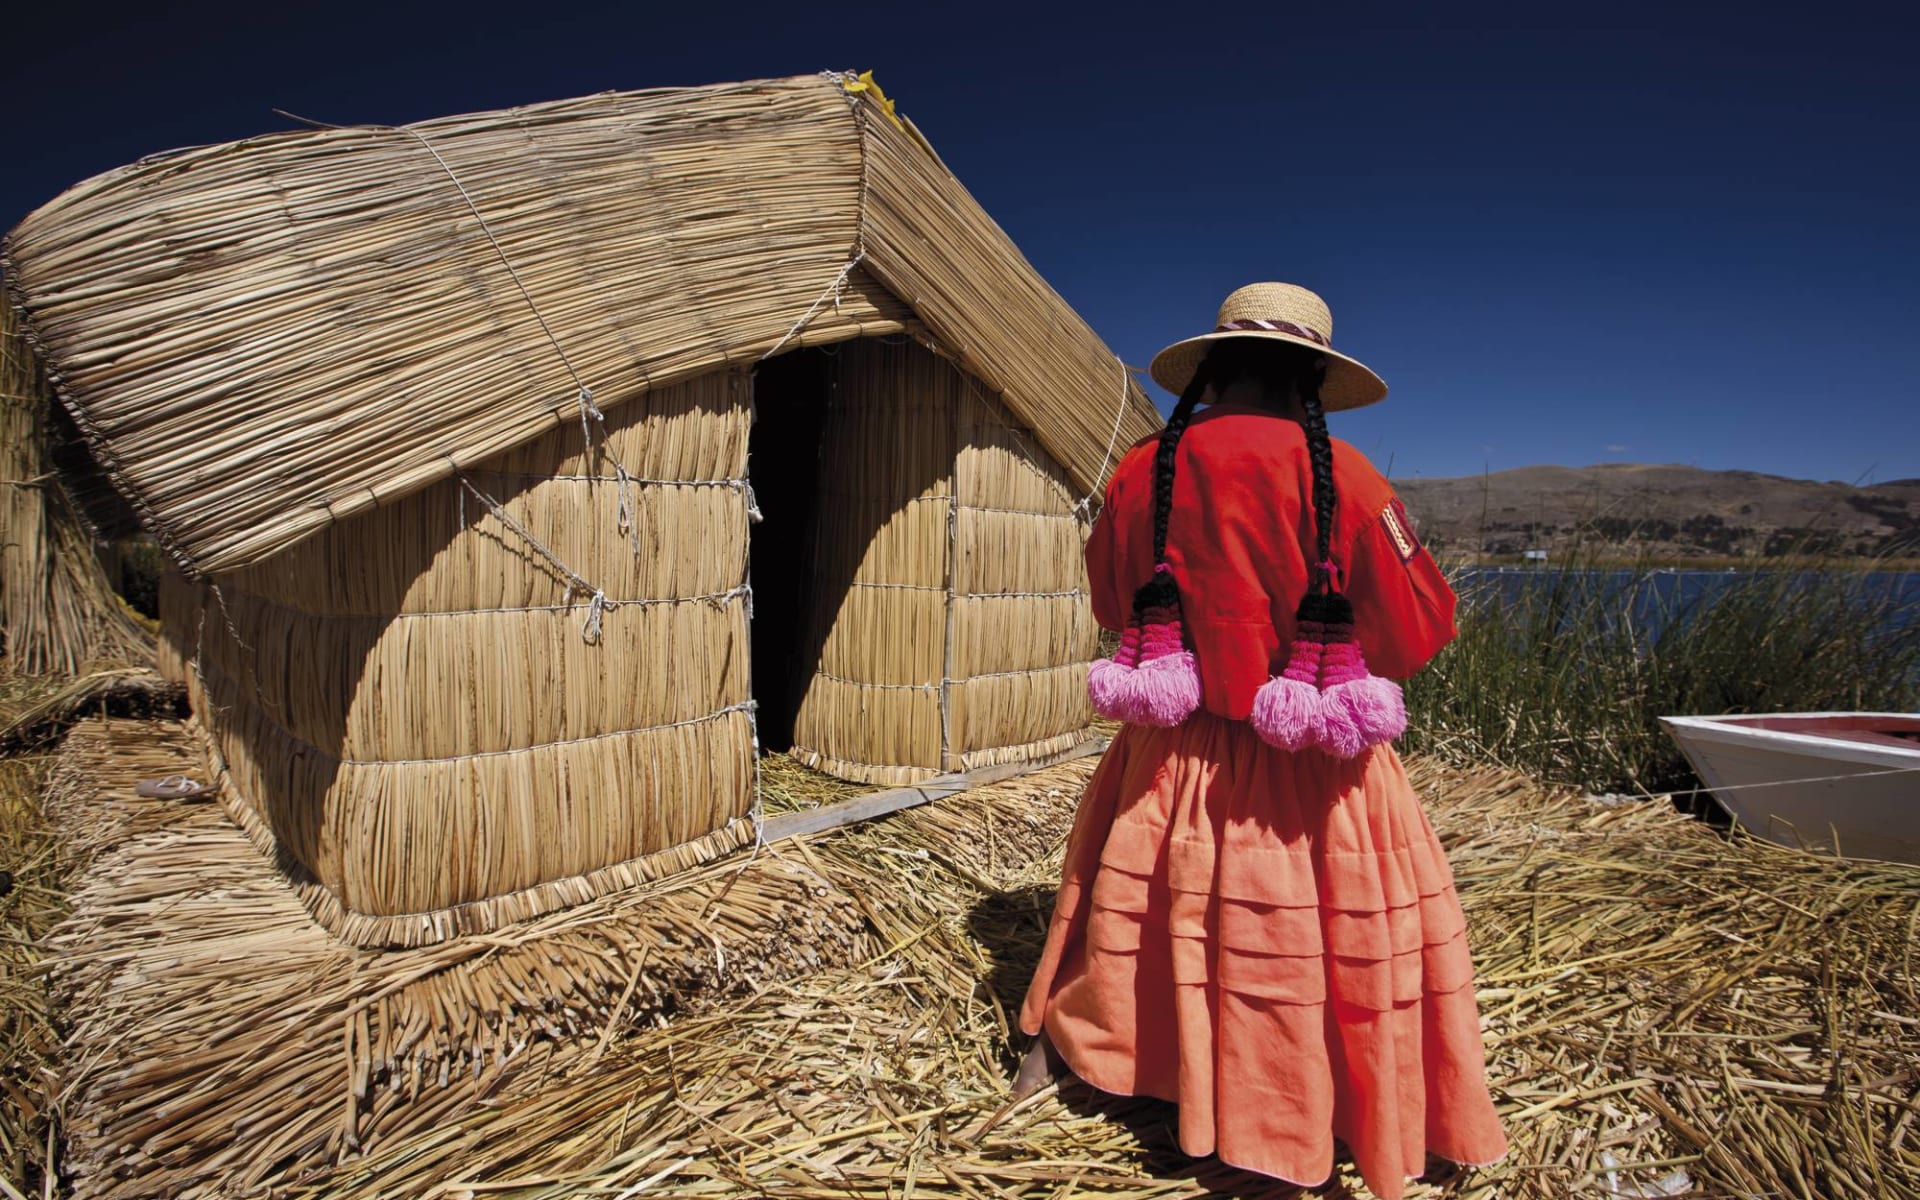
{"x": 879, "y": 804}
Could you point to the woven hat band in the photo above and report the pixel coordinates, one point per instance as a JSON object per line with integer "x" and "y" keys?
{"x": 1271, "y": 326}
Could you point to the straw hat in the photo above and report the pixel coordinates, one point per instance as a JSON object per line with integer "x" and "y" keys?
{"x": 1281, "y": 312}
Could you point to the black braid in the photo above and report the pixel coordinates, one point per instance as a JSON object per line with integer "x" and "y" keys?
{"x": 1320, "y": 451}
{"x": 1161, "y": 591}
{"x": 1163, "y": 462}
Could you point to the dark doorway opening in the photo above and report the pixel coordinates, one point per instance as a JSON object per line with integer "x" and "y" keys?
{"x": 783, "y": 463}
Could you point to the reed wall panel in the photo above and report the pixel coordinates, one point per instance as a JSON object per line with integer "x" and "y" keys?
{"x": 995, "y": 712}
{"x": 963, "y": 542}
{"x": 870, "y": 734}
{"x": 449, "y": 685}
{"x": 889, "y": 637}
{"x": 882, "y": 551}
{"x": 1002, "y": 466}
{"x": 1020, "y": 553}
{"x": 410, "y": 704}
{"x": 447, "y": 552}
{"x": 1023, "y": 629}
{"x": 1026, "y": 752}
{"x": 995, "y": 635}
{"x": 881, "y": 541}
{"x": 417, "y": 838}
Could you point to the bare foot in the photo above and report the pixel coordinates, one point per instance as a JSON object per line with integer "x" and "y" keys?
{"x": 1040, "y": 1067}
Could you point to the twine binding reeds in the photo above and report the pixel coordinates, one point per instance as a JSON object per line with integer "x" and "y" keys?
{"x": 590, "y": 629}
{"x": 833, "y": 292}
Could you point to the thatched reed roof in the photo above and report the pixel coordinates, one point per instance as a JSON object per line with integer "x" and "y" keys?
{"x": 263, "y": 337}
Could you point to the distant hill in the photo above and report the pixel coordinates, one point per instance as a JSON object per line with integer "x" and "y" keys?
{"x": 1674, "y": 511}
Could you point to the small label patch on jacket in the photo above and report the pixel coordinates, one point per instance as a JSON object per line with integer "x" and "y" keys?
{"x": 1400, "y": 529}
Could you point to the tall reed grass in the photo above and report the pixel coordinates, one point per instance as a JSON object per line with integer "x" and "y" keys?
{"x": 1563, "y": 671}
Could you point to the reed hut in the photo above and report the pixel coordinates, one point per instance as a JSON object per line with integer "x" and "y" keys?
{"x": 528, "y": 472}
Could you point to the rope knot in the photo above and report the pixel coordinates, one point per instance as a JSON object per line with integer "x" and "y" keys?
{"x": 590, "y": 632}
{"x": 623, "y": 515}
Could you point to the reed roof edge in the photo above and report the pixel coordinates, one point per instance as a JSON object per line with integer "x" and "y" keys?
{"x": 262, "y": 336}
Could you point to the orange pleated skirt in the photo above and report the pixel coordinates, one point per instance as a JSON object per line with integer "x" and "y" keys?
{"x": 1271, "y": 940}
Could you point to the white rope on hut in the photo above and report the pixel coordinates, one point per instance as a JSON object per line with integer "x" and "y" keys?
{"x": 1084, "y": 509}
{"x": 590, "y": 415}
{"x": 833, "y": 293}
{"x": 598, "y": 603}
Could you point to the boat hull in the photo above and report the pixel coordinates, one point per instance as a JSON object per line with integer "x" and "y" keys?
{"x": 1832, "y": 783}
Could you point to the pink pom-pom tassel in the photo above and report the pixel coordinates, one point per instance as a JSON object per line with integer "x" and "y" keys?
{"x": 1167, "y": 689}
{"x": 1340, "y": 733}
{"x": 1108, "y": 686}
{"x": 1161, "y": 692}
{"x": 1373, "y": 707}
{"x": 1287, "y": 712}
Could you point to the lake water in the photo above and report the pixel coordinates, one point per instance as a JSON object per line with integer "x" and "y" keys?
{"x": 1655, "y": 597}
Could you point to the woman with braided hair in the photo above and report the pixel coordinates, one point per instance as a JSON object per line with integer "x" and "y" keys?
{"x": 1255, "y": 919}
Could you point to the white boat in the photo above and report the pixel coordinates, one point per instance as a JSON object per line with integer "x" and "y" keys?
{"x": 1836, "y": 783}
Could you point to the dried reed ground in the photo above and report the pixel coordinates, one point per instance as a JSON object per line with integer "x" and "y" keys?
{"x": 1656, "y": 998}
{"x": 28, "y": 851}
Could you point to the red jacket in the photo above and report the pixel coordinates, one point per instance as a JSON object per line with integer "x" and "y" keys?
{"x": 1240, "y": 540}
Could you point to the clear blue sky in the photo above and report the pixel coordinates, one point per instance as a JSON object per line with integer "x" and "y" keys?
{"x": 1672, "y": 240}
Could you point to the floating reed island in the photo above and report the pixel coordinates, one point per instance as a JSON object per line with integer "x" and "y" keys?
{"x": 1669, "y": 1010}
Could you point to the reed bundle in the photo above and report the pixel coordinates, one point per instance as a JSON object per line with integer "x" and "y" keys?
{"x": 1657, "y": 999}
{"x": 265, "y": 337}
{"x": 34, "y": 718}
{"x": 58, "y": 611}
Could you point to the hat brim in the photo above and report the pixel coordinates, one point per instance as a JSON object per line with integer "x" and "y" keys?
{"x": 1350, "y": 383}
